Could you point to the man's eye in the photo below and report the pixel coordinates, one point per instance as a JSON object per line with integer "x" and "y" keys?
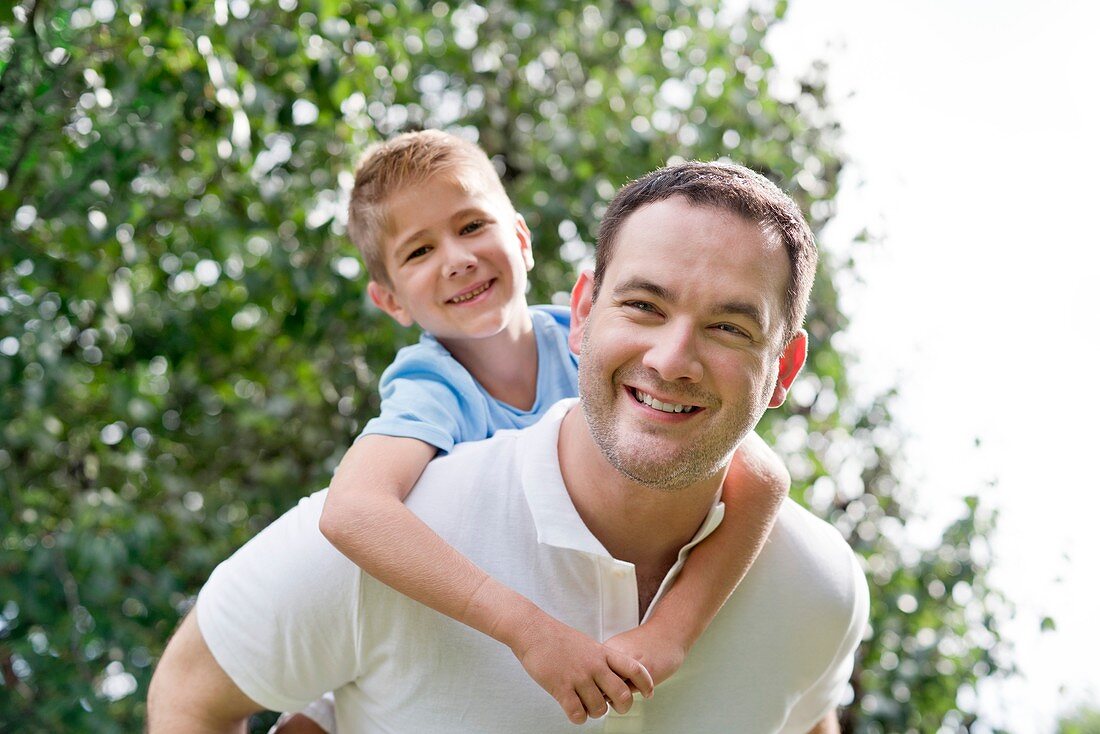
{"x": 472, "y": 227}
{"x": 641, "y": 306}
{"x": 418, "y": 252}
{"x": 734, "y": 330}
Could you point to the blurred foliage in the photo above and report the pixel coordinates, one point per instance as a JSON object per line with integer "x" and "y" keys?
{"x": 1085, "y": 720}
{"x": 185, "y": 348}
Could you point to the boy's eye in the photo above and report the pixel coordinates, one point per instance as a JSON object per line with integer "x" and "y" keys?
{"x": 418, "y": 252}
{"x": 472, "y": 227}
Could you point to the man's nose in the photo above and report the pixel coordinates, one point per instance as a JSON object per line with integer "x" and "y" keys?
{"x": 674, "y": 355}
{"x": 458, "y": 259}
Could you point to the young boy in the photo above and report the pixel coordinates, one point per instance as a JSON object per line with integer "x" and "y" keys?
{"x": 447, "y": 251}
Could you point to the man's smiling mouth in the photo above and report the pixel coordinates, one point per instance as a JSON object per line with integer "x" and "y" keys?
{"x": 647, "y": 399}
{"x": 469, "y": 295}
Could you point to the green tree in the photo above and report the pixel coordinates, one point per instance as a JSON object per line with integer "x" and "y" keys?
{"x": 1085, "y": 720}
{"x": 184, "y": 344}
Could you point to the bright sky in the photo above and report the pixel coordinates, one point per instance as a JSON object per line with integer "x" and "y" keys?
{"x": 974, "y": 131}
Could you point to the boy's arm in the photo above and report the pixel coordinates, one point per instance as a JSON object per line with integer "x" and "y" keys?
{"x": 364, "y": 518}
{"x": 754, "y": 488}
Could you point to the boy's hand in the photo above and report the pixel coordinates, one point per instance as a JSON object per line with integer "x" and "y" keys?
{"x": 660, "y": 655}
{"x": 582, "y": 675}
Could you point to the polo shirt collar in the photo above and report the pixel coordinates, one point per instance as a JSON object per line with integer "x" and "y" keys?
{"x": 556, "y": 520}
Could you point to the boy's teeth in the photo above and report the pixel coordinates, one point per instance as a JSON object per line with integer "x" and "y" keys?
{"x": 663, "y": 407}
{"x": 471, "y": 294}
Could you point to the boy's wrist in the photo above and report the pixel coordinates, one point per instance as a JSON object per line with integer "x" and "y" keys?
{"x": 518, "y": 627}
{"x": 501, "y": 613}
{"x": 677, "y": 635}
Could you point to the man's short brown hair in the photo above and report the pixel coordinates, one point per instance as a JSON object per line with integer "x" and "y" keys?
{"x": 732, "y": 188}
{"x": 407, "y": 160}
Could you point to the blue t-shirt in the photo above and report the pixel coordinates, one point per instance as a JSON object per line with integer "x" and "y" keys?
{"x": 428, "y": 395}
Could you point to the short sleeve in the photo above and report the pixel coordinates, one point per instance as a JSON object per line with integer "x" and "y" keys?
{"x": 560, "y": 314}
{"x": 430, "y": 397}
{"x": 275, "y": 614}
{"x": 827, "y": 691}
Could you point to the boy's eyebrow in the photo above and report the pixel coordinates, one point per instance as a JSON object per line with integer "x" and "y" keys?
{"x": 742, "y": 308}
{"x": 460, "y": 214}
{"x": 410, "y": 239}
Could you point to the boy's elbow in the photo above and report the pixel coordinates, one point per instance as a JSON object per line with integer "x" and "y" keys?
{"x": 332, "y": 522}
{"x": 347, "y": 513}
{"x": 758, "y": 468}
{"x": 778, "y": 479}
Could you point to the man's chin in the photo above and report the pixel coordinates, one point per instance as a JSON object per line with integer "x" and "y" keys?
{"x": 668, "y": 473}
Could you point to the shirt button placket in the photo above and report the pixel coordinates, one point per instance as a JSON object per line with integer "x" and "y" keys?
{"x": 620, "y": 613}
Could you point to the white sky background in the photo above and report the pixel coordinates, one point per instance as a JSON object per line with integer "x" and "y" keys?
{"x": 973, "y": 127}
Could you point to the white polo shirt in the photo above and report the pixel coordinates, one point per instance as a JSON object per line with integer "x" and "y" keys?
{"x": 289, "y": 618}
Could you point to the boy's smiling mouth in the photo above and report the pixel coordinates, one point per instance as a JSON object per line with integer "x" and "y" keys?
{"x": 472, "y": 293}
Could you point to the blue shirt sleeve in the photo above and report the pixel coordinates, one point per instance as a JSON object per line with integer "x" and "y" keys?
{"x": 560, "y": 314}
{"x": 425, "y": 396}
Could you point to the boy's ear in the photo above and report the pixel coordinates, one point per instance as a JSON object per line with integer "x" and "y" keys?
{"x": 523, "y": 233}
{"x": 790, "y": 363}
{"x": 385, "y": 299}
{"x": 580, "y": 307}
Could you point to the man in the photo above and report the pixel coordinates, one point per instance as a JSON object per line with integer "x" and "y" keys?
{"x": 688, "y": 331}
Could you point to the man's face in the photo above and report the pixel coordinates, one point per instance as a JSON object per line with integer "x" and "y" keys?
{"x": 681, "y": 353}
{"x": 457, "y": 257}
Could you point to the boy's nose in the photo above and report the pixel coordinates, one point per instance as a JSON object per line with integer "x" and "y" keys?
{"x": 459, "y": 260}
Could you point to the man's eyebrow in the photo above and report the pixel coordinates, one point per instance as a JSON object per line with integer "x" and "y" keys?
{"x": 646, "y": 286}
{"x": 744, "y": 309}
{"x": 729, "y": 308}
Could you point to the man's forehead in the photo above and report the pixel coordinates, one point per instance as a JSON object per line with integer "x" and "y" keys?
{"x": 655, "y": 213}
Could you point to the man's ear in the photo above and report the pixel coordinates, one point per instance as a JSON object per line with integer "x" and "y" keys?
{"x": 384, "y": 297}
{"x": 580, "y": 306}
{"x": 523, "y": 234}
{"x": 790, "y": 363}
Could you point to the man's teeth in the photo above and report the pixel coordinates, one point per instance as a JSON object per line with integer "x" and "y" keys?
{"x": 472, "y": 294}
{"x": 664, "y": 407}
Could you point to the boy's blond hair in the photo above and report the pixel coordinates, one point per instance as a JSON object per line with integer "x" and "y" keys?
{"x": 407, "y": 160}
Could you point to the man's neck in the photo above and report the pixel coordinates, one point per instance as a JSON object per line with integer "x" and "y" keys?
{"x": 635, "y": 523}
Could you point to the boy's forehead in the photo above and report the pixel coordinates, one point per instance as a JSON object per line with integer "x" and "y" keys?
{"x": 423, "y": 203}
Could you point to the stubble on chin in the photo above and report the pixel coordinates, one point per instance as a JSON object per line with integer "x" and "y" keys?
{"x": 636, "y": 458}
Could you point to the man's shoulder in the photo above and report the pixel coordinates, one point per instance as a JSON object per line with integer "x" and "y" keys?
{"x": 504, "y": 462}
{"x": 472, "y": 465}
{"x": 812, "y": 553}
{"x": 803, "y": 533}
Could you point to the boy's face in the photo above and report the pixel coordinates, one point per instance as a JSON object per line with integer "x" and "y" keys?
{"x": 457, "y": 257}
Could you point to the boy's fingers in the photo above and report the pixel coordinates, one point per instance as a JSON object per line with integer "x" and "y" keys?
{"x": 573, "y": 708}
{"x": 593, "y": 699}
{"x": 615, "y": 691}
{"x": 633, "y": 671}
